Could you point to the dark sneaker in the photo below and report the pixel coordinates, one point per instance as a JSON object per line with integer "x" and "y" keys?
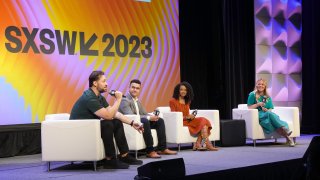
{"x": 115, "y": 164}
{"x": 130, "y": 160}
{"x": 101, "y": 162}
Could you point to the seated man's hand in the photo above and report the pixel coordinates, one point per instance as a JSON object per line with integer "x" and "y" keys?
{"x": 154, "y": 118}
{"x": 118, "y": 95}
{"x": 138, "y": 127}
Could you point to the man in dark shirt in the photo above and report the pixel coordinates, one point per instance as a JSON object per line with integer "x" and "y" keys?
{"x": 92, "y": 105}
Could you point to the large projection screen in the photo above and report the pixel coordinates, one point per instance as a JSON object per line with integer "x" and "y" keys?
{"x": 49, "y": 48}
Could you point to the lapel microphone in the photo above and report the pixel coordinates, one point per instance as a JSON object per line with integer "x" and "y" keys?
{"x": 112, "y": 93}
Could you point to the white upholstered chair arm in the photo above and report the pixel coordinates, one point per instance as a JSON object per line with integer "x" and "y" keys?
{"x": 289, "y": 114}
{"x": 174, "y": 124}
{"x": 251, "y": 118}
{"x": 130, "y": 131}
{"x": 71, "y": 140}
{"x": 214, "y": 118}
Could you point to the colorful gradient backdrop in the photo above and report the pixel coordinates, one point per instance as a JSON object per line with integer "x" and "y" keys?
{"x": 32, "y": 85}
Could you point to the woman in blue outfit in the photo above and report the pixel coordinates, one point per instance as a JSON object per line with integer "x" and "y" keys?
{"x": 270, "y": 122}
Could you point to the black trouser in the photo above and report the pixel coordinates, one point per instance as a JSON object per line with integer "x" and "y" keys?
{"x": 110, "y": 128}
{"x": 161, "y": 133}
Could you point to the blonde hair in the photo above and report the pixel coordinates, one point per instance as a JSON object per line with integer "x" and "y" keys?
{"x": 265, "y": 93}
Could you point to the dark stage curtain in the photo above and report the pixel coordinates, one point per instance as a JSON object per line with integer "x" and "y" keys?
{"x": 20, "y": 139}
{"x": 310, "y": 66}
{"x": 218, "y": 52}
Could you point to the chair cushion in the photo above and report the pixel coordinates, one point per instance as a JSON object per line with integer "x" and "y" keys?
{"x": 61, "y": 116}
{"x": 164, "y": 109}
{"x": 242, "y": 106}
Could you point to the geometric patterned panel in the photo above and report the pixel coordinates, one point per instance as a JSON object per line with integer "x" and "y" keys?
{"x": 294, "y": 87}
{"x": 294, "y": 34}
{"x": 279, "y": 8}
{"x": 278, "y": 49}
{"x": 279, "y": 60}
{"x": 263, "y": 29}
{"x": 263, "y": 26}
{"x": 279, "y": 32}
{"x": 262, "y": 8}
{"x": 294, "y": 61}
{"x": 279, "y": 87}
{"x": 263, "y": 59}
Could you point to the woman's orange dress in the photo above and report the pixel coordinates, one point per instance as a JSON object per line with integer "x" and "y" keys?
{"x": 194, "y": 125}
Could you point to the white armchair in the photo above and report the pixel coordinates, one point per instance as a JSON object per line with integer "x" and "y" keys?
{"x": 135, "y": 139}
{"x": 71, "y": 140}
{"x": 178, "y": 134}
{"x": 253, "y": 129}
{"x": 80, "y": 140}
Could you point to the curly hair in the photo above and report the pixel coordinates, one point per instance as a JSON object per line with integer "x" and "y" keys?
{"x": 176, "y": 92}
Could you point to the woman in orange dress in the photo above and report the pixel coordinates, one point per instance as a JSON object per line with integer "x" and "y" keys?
{"x": 198, "y": 126}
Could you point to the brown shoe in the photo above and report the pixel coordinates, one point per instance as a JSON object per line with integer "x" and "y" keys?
{"x": 167, "y": 152}
{"x": 153, "y": 154}
{"x": 210, "y": 147}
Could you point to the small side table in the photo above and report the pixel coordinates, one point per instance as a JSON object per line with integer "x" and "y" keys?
{"x": 232, "y": 132}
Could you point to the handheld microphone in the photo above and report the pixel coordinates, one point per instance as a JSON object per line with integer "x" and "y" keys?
{"x": 264, "y": 100}
{"x": 195, "y": 112}
{"x": 156, "y": 112}
{"x": 113, "y": 92}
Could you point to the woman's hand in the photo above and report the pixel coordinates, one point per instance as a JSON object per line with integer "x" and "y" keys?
{"x": 261, "y": 104}
{"x": 264, "y": 109}
{"x": 190, "y": 117}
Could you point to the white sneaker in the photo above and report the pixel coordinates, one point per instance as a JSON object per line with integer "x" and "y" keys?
{"x": 288, "y": 131}
{"x": 291, "y": 143}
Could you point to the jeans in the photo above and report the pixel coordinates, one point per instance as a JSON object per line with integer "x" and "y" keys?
{"x": 110, "y": 128}
{"x": 159, "y": 126}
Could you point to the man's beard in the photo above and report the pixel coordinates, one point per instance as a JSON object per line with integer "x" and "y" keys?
{"x": 101, "y": 90}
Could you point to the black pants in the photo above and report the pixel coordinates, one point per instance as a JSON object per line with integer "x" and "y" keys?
{"x": 110, "y": 128}
{"x": 161, "y": 133}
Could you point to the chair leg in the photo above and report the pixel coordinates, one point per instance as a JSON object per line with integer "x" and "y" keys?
{"x": 294, "y": 139}
{"x": 95, "y": 165}
{"x": 214, "y": 143}
{"x": 48, "y": 166}
{"x": 254, "y": 143}
{"x": 136, "y": 154}
{"x": 179, "y": 145}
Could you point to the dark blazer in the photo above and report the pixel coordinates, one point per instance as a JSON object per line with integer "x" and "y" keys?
{"x": 127, "y": 106}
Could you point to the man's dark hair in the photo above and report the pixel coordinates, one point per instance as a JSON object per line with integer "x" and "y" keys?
{"x": 176, "y": 92}
{"x": 137, "y": 81}
{"x": 95, "y": 76}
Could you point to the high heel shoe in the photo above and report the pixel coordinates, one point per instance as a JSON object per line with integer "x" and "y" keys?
{"x": 197, "y": 144}
{"x": 209, "y": 146}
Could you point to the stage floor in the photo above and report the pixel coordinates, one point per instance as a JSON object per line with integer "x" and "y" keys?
{"x": 31, "y": 166}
